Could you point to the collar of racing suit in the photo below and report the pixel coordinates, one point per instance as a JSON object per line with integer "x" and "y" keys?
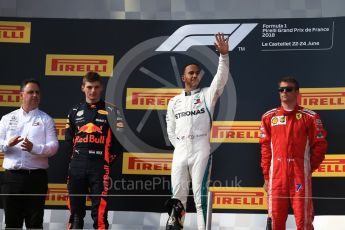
{"x": 192, "y": 92}
{"x": 95, "y": 105}
{"x": 286, "y": 112}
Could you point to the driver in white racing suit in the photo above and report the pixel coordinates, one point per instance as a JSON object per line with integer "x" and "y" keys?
{"x": 189, "y": 119}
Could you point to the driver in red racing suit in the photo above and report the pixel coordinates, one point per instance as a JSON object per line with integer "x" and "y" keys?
{"x": 293, "y": 145}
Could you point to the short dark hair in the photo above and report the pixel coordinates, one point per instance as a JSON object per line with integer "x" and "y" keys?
{"x": 289, "y": 79}
{"x": 27, "y": 81}
{"x": 91, "y": 77}
{"x": 184, "y": 68}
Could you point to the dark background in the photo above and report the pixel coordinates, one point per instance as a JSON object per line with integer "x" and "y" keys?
{"x": 255, "y": 74}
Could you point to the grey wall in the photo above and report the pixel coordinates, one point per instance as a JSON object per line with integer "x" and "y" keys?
{"x": 172, "y": 9}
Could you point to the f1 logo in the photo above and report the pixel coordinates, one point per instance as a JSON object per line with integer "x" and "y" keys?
{"x": 203, "y": 34}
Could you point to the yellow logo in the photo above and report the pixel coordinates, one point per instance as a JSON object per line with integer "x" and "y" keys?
{"x": 15, "y": 32}
{"x": 332, "y": 166}
{"x": 58, "y": 195}
{"x": 298, "y": 116}
{"x": 274, "y": 120}
{"x": 239, "y": 198}
{"x": 235, "y": 132}
{"x": 147, "y": 163}
{"x": 10, "y": 95}
{"x": 78, "y": 65}
{"x": 323, "y": 98}
{"x": 60, "y": 126}
{"x": 149, "y": 98}
{"x": 278, "y": 120}
{"x": 101, "y": 111}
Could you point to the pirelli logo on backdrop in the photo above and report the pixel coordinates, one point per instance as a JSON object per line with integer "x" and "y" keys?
{"x": 15, "y": 32}
{"x": 78, "y": 65}
{"x": 10, "y": 95}
{"x": 60, "y": 125}
{"x": 147, "y": 163}
{"x": 58, "y": 195}
{"x": 322, "y": 98}
{"x": 332, "y": 166}
{"x": 149, "y": 98}
{"x": 235, "y": 131}
{"x": 239, "y": 198}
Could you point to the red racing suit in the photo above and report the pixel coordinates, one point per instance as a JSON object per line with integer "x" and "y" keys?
{"x": 293, "y": 145}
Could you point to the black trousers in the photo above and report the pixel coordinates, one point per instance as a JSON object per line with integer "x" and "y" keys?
{"x": 88, "y": 176}
{"x": 28, "y": 208}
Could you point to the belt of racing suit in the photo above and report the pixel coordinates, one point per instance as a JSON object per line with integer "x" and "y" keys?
{"x": 191, "y": 136}
{"x": 91, "y": 153}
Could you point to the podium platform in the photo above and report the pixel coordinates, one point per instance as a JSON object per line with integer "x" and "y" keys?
{"x": 57, "y": 219}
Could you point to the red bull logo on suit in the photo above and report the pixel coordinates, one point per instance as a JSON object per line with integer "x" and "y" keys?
{"x": 90, "y": 129}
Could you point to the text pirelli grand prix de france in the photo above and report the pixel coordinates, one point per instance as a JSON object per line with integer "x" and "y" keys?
{"x": 284, "y": 36}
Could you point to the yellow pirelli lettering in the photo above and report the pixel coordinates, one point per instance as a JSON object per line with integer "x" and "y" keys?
{"x": 78, "y": 65}
{"x": 10, "y": 95}
{"x": 323, "y": 98}
{"x": 239, "y": 198}
{"x": 57, "y": 195}
{"x": 332, "y": 166}
{"x": 235, "y": 132}
{"x": 147, "y": 163}
{"x": 15, "y": 32}
{"x": 149, "y": 98}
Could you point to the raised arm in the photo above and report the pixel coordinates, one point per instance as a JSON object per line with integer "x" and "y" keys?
{"x": 221, "y": 44}
{"x": 222, "y": 75}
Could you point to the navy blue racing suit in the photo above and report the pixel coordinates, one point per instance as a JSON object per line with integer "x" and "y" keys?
{"x": 93, "y": 148}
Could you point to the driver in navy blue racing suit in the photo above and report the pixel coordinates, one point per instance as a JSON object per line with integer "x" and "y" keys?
{"x": 93, "y": 148}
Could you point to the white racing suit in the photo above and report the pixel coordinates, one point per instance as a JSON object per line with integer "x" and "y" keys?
{"x": 189, "y": 119}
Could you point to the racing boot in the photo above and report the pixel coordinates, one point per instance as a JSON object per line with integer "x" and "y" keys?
{"x": 176, "y": 213}
{"x": 269, "y": 223}
{"x": 75, "y": 222}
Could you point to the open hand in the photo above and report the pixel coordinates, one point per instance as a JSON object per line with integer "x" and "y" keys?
{"x": 14, "y": 140}
{"x": 221, "y": 43}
